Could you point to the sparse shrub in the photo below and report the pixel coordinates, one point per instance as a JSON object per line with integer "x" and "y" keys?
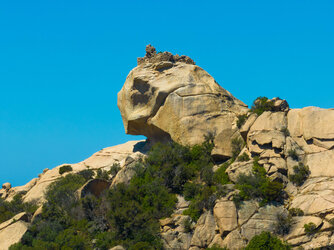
{"x": 258, "y": 186}
{"x": 285, "y": 131}
{"x": 301, "y": 172}
{"x": 283, "y": 224}
{"x": 237, "y": 145}
{"x": 296, "y": 212}
{"x": 220, "y": 176}
{"x": 102, "y": 174}
{"x": 266, "y": 241}
{"x": 262, "y": 104}
{"x": 114, "y": 169}
{"x": 243, "y": 157}
{"x": 310, "y": 228}
{"x": 187, "y": 225}
{"x": 293, "y": 154}
{"x": 65, "y": 168}
{"x": 241, "y": 120}
{"x": 9, "y": 209}
{"x": 87, "y": 174}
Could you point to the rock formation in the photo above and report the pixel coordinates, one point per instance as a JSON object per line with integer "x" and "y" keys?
{"x": 168, "y": 97}
{"x": 171, "y": 98}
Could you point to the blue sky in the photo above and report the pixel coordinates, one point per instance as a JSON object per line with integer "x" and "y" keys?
{"x": 63, "y": 62}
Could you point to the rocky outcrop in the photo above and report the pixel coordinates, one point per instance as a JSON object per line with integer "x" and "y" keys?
{"x": 11, "y": 231}
{"x": 167, "y": 97}
{"x": 179, "y": 101}
{"x": 34, "y": 190}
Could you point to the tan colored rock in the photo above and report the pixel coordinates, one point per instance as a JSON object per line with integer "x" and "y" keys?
{"x": 6, "y": 186}
{"x": 234, "y": 241}
{"x": 320, "y": 241}
{"x": 269, "y": 121}
{"x": 12, "y": 234}
{"x": 19, "y": 217}
{"x": 11, "y": 231}
{"x": 217, "y": 241}
{"x": 297, "y": 229}
{"x": 37, "y": 213}
{"x": 128, "y": 170}
{"x": 226, "y": 216}
{"x": 246, "y": 211}
{"x": 205, "y": 230}
{"x": 314, "y": 202}
{"x": 21, "y": 189}
{"x": 181, "y": 101}
{"x": 263, "y": 220}
{"x": 321, "y": 164}
{"x": 105, "y": 158}
{"x": 119, "y": 247}
{"x": 176, "y": 240}
{"x": 311, "y": 122}
{"x": 248, "y": 124}
{"x": 237, "y": 168}
{"x": 223, "y": 143}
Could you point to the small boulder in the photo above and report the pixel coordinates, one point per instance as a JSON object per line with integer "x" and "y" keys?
{"x": 7, "y": 186}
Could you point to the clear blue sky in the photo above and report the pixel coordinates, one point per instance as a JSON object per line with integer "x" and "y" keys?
{"x": 63, "y": 62}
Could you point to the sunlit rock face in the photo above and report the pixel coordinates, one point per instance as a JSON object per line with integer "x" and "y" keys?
{"x": 164, "y": 98}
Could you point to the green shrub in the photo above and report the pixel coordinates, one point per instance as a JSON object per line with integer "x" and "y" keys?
{"x": 301, "y": 172}
{"x": 283, "y": 224}
{"x": 262, "y": 104}
{"x": 241, "y": 120}
{"x": 187, "y": 225}
{"x": 293, "y": 154}
{"x": 243, "y": 157}
{"x": 102, "y": 174}
{"x": 258, "y": 186}
{"x": 220, "y": 176}
{"x": 296, "y": 212}
{"x": 64, "y": 169}
{"x": 87, "y": 174}
{"x": 114, "y": 169}
{"x": 310, "y": 228}
{"x": 266, "y": 241}
{"x": 9, "y": 209}
{"x": 237, "y": 144}
{"x": 128, "y": 214}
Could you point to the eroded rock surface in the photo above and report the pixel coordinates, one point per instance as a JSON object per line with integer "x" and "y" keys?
{"x": 177, "y": 100}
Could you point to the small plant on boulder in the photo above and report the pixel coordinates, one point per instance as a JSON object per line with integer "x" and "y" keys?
{"x": 293, "y": 154}
{"x": 243, "y": 157}
{"x": 241, "y": 120}
{"x": 65, "y": 168}
{"x": 262, "y": 104}
{"x": 310, "y": 228}
{"x": 301, "y": 172}
{"x": 296, "y": 212}
{"x": 283, "y": 224}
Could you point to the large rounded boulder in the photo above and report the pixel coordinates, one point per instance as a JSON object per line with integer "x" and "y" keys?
{"x": 168, "y": 97}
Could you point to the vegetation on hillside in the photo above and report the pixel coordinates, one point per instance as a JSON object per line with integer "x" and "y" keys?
{"x": 262, "y": 104}
{"x": 128, "y": 214}
{"x": 257, "y": 186}
{"x": 9, "y": 209}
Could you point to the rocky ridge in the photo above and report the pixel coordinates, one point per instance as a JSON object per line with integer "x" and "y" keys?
{"x": 168, "y": 97}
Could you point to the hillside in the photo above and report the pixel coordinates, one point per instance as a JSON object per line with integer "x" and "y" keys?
{"x": 212, "y": 173}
